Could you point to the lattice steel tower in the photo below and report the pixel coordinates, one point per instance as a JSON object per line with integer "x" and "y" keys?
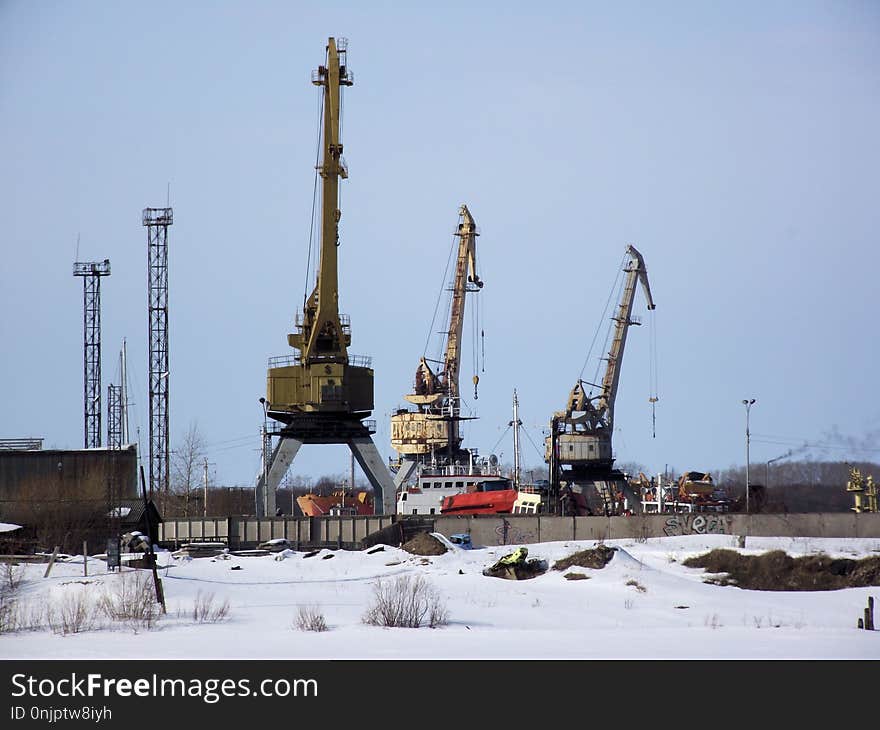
{"x": 91, "y": 273}
{"x": 157, "y": 221}
{"x": 114, "y": 416}
{"x": 114, "y": 443}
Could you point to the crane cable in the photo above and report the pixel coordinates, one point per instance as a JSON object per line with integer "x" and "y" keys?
{"x": 314, "y": 202}
{"x": 475, "y": 351}
{"x": 609, "y": 332}
{"x": 614, "y": 287}
{"x": 439, "y": 297}
{"x": 653, "y": 398}
{"x": 340, "y": 161}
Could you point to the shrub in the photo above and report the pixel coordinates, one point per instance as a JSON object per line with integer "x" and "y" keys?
{"x": 204, "y": 611}
{"x": 310, "y": 618}
{"x": 8, "y": 613}
{"x": 406, "y": 602}
{"x": 73, "y": 614}
{"x": 133, "y": 601}
{"x": 11, "y": 578}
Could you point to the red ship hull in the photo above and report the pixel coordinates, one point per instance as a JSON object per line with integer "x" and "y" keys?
{"x": 479, "y": 503}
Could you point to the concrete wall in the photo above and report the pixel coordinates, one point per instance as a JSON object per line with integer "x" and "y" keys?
{"x": 250, "y": 531}
{"x": 519, "y": 529}
{"x": 511, "y": 529}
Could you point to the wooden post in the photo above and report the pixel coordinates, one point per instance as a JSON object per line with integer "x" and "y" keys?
{"x": 861, "y": 623}
{"x": 85, "y": 558}
{"x": 869, "y": 614}
{"x": 157, "y": 581}
{"x": 51, "y": 562}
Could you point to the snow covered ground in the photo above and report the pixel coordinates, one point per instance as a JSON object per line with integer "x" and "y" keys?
{"x": 643, "y": 604}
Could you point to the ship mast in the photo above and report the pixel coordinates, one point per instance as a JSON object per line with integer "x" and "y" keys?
{"x": 516, "y": 423}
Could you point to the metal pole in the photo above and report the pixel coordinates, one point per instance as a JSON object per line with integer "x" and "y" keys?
{"x": 515, "y": 423}
{"x": 157, "y": 581}
{"x": 748, "y": 404}
{"x": 265, "y": 462}
{"x": 123, "y": 367}
{"x": 205, "y": 500}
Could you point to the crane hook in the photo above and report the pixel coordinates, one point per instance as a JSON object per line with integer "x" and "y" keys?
{"x": 476, "y": 380}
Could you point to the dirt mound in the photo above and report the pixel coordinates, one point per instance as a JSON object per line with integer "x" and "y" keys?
{"x": 597, "y": 558}
{"x": 424, "y": 544}
{"x": 778, "y": 571}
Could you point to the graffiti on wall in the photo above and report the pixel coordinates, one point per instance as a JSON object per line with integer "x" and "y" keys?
{"x": 689, "y": 524}
{"x": 508, "y": 534}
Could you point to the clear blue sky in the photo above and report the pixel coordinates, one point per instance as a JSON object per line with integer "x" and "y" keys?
{"x": 734, "y": 144}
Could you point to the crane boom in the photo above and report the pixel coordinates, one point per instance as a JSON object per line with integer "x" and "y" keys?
{"x": 635, "y": 271}
{"x": 322, "y": 334}
{"x": 465, "y": 271}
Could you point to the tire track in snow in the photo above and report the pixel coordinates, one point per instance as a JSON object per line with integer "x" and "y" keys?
{"x": 284, "y": 582}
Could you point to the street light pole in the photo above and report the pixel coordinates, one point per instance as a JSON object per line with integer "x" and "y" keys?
{"x": 748, "y": 404}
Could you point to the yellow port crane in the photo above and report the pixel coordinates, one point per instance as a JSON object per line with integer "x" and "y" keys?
{"x": 864, "y": 489}
{"x": 578, "y": 448}
{"x": 321, "y": 394}
{"x": 432, "y": 430}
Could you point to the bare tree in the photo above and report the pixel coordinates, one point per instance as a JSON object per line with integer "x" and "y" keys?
{"x": 187, "y": 461}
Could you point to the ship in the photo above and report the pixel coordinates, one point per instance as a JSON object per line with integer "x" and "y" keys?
{"x": 437, "y": 482}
